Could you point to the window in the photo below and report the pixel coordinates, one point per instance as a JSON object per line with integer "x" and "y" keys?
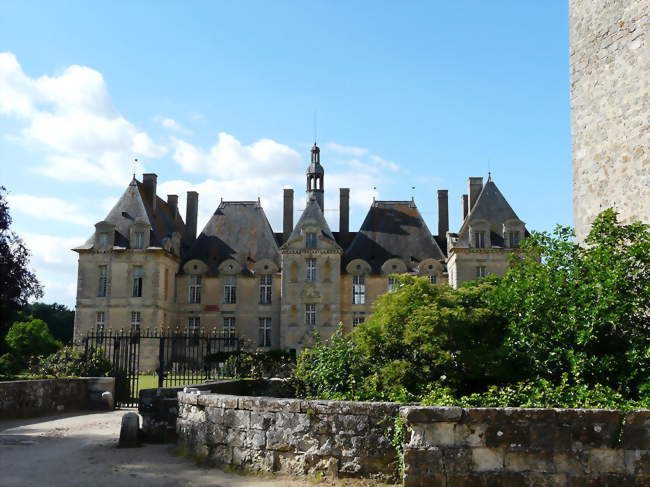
{"x": 166, "y": 285}
{"x": 229, "y": 330}
{"x": 311, "y": 270}
{"x": 136, "y": 320}
{"x": 264, "y": 332}
{"x": 195, "y": 289}
{"x": 358, "y": 289}
{"x": 100, "y": 321}
{"x": 266, "y": 284}
{"x": 514, "y": 239}
{"x": 311, "y": 240}
{"x": 103, "y": 241}
{"x": 481, "y": 271}
{"x": 432, "y": 279}
{"x": 479, "y": 239}
{"x": 137, "y": 281}
{"x": 193, "y": 324}
{"x": 392, "y": 284}
{"x": 138, "y": 240}
{"x": 310, "y": 314}
{"x": 103, "y": 281}
{"x": 230, "y": 290}
{"x": 357, "y": 319}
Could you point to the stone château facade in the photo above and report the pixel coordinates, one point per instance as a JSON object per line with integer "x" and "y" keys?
{"x": 145, "y": 267}
{"x": 610, "y": 105}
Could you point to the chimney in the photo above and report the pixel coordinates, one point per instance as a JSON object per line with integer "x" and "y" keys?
{"x": 172, "y": 202}
{"x": 443, "y": 212}
{"x": 149, "y": 181}
{"x": 464, "y": 206}
{"x": 287, "y": 215}
{"x": 475, "y": 187}
{"x": 191, "y": 214}
{"x": 344, "y": 212}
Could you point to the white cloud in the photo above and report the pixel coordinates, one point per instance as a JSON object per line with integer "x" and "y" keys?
{"x": 71, "y": 119}
{"x": 171, "y": 124}
{"x": 49, "y": 208}
{"x": 230, "y": 159}
{"x": 55, "y": 264}
{"x": 346, "y": 150}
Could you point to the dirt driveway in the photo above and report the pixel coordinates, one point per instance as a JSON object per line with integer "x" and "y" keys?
{"x": 78, "y": 450}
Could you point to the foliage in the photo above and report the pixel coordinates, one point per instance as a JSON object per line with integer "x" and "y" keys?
{"x": 581, "y": 311}
{"x": 17, "y": 282}
{"x": 566, "y": 326}
{"x": 71, "y": 362}
{"x": 10, "y": 365}
{"x": 59, "y": 319}
{"x": 28, "y": 339}
{"x": 257, "y": 364}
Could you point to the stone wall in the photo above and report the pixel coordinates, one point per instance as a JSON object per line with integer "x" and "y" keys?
{"x": 510, "y": 446}
{"x": 300, "y": 437}
{"x": 159, "y": 407}
{"x": 26, "y": 398}
{"x": 610, "y": 105}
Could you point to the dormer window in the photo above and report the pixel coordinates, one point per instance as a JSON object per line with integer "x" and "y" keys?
{"x": 138, "y": 240}
{"x": 311, "y": 240}
{"x": 514, "y": 239}
{"x": 102, "y": 241}
{"x": 479, "y": 239}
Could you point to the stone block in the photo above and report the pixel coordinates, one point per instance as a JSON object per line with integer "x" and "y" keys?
{"x": 529, "y": 460}
{"x": 487, "y": 459}
{"x": 423, "y": 462}
{"x": 636, "y": 430}
{"x": 570, "y": 462}
{"x": 220, "y": 455}
{"x": 262, "y": 420}
{"x": 236, "y": 437}
{"x": 240, "y": 457}
{"x": 470, "y": 434}
{"x": 216, "y": 434}
{"x": 270, "y": 404}
{"x": 457, "y": 460}
{"x": 415, "y": 414}
{"x": 130, "y": 431}
{"x": 552, "y": 436}
{"x": 236, "y": 418}
{"x": 507, "y": 434}
{"x": 281, "y": 440}
{"x": 637, "y": 462}
{"x": 217, "y": 401}
{"x": 352, "y": 423}
{"x": 605, "y": 460}
{"x": 439, "y": 434}
{"x": 460, "y": 480}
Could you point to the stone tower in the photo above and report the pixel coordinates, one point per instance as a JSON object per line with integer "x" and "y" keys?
{"x": 316, "y": 178}
{"x": 610, "y": 104}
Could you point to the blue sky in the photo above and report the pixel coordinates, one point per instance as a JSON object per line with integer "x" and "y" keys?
{"x": 221, "y": 97}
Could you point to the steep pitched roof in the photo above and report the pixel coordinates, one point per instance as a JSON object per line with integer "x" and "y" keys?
{"x": 312, "y": 215}
{"x": 393, "y": 229}
{"x": 490, "y": 206}
{"x": 237, "y": 230}
{"x": 134, "y": 206}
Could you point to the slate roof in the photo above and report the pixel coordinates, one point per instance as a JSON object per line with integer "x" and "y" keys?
{"x": 134, "y": 206}
{"x": 393, "y": 229}
{"x": 314, "y": 214}
{"x": 237, "y": 230}
{"x": 490, "y": 206}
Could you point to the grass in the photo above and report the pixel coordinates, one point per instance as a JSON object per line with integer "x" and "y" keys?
{"x": 150, "y": 381}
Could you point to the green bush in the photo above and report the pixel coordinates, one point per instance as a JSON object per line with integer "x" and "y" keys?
{"x": 258, "y": 364}
{"x": 71, "y": 362}
{"x": 27, "y": 339}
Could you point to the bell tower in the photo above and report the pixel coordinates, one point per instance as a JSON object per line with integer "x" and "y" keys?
{"x": 316, "y": 178}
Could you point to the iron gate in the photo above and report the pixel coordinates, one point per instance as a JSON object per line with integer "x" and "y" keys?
{"x": 161, "y": 358}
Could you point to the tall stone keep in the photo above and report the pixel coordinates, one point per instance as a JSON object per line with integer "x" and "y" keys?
{"x": 610, "y": 104}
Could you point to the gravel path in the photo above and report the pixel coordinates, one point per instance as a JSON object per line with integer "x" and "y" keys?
{"x": 78, "y": 450}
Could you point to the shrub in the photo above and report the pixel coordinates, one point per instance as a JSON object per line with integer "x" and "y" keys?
{"x": 258, "y": 364}
{"x": 71, "y": 362}
{"x": 28, "y": 339}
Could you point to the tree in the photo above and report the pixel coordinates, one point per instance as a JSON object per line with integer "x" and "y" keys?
{"x": 59, "y": 319}
{"x": 28, "y": 339}
{"x": 581, "y": 310}
{"x": 17, "y": 282}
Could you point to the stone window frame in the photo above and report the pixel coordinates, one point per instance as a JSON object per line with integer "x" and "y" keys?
{"x": 311, "y": 240}
{"x": 137, "y": 281}
{"x": 193, "y": 324}
{"x": 104, "y": 236}
{"x": 102, "y": 284}
{"x": 100, "y": 321}
{"x": 393, "y": 284}
{"x": 136, "y": 321}
{"x": 510, "y": 227}
{"x": 481, "y": 227}
{"x": 310, "y": 314}
{"x": 229, "y": 326}
{"x": 230, "y": 289}
{"x": 358, "y": 317}
{"x": 139, "y": 235}
{"x": 359, "y": 289}
{"x": 266, "y": 289}
{"x": 311, "y": 271}
{"x": 194, "y": 289}
{"x": 481, "y": 271}
{"x": 264, "y": 331}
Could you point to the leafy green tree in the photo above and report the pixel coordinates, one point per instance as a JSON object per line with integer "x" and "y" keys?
{"x": 28, "y": 339}
{"x": 17, "y": 283}
{"x": 59, "y": 319}
{"x": 581, "y": 310}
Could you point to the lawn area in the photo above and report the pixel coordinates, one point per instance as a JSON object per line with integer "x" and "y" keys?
{"x": 150, "y": 381}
